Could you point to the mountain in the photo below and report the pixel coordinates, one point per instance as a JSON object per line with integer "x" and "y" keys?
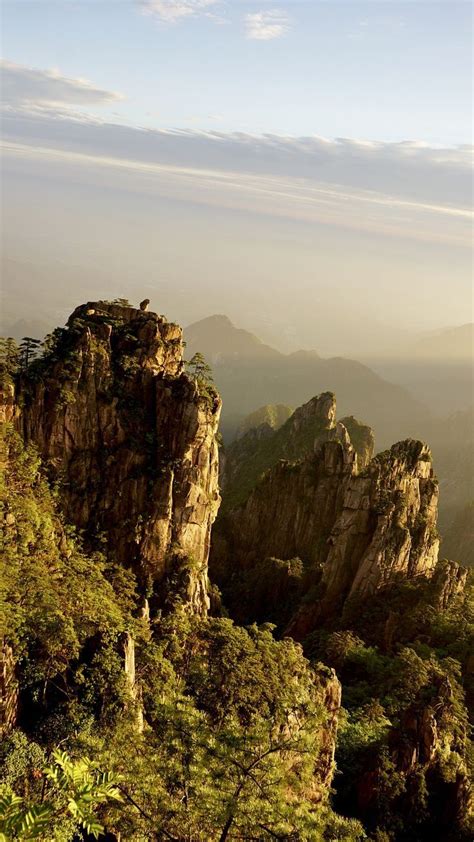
{"x": 343, "y": 557}
{"x": 438, "y": 369}
{"x": 303, "y": 491}
{"x": 221, "y": 342}
{"x": 185, "y": 712}
{"x": 263, "y": 445}
{"x": 270, "y": 415}
{"x": 113, "y": 413}
{"x": 200, "y": 729}
{"x": 249, "y": 374}
{"x": 455, "y": 343}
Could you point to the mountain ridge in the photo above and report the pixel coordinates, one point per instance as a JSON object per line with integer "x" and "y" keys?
{"x": 249, "y": 374}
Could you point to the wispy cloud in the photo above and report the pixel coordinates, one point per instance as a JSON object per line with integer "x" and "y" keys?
{"x": 172, "y": 11}
{"x": 266, "y": 25}
{"x": 28, "y": 87}
{"x": 403, "y": 189}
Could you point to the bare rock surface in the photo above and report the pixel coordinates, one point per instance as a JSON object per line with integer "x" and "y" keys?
{"x": 130, "y": 438}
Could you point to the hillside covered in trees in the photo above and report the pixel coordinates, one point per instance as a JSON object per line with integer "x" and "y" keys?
{"x": 292, "y": 661}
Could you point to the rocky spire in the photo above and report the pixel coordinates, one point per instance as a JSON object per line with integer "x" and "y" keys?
{"x": 131, "y": 439}
{"x": 356, "y": 523}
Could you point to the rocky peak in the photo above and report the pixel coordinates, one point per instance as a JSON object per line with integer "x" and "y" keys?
{"x": 307, "y": 428}
{"x": 320, "y": 410}
{"x": 356, "y": 528}
{"x": 131, "y": 439}
{"x": 449, "y": 581}
{"x": 362, "y": 439}
{"x": 387, "y": 526}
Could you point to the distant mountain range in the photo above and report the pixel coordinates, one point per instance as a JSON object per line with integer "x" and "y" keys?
{"x": 455, "y": 343}
{"x": 249, "y": 374}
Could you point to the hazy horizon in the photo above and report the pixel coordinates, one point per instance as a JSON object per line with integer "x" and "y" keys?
{"x": 329, "y": 210}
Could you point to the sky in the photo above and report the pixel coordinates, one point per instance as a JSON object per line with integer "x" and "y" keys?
{"x": 304, "y": 167}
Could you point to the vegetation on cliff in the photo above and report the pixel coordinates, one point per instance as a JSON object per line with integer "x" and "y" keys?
{"x": 130, "y": 711}
{"x": 358, "y": 582}
{"x": 233, "y": 721}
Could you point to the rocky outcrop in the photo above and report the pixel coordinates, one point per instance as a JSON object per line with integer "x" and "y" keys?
{"x": 362, "y": 440}
{"x": 291, "y": 511}
{"x": 386, "y": 529}
{"x": 8, "y": 689}
{"x": 127, "y": 645}
{"x": 130, "y": 438}
{"x": 356, "y": 527}
{"x": 8, "y": 406}
{"x": 249, "y": 457}
{"x": 449, "y": 581}
{"x": 330, "y": 690}
{"x": 271, "y": 415}
{"x": 421, "y": 744}
{"x": 424, "y": 747}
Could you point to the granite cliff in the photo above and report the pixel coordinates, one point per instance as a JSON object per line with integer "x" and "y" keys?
{"x": 131, "y": 440}
{"x": 356, "y": 523}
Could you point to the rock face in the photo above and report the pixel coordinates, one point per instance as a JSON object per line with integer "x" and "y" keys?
{"x": 449, "y": 581}
{"x": 8, "y": 689}
{"x": 387, "y": 526}
{"x": 362, "y": 440}
{"x": 356, "y": 528}
{"x": 266, "y": 443}
{"x": 130, "y": 438}
{"x": 331, "y": 694}
{"x": 291, "y": 512}
{"x": 127, "y": 645}
{"x": 423, "y": 740}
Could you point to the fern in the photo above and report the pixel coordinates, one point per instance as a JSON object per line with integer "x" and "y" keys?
{"x": 84, "y": 788}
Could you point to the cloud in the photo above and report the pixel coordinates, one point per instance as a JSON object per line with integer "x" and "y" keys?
{"x": 28, "y": 87}
{"x": 172, "y": 11}
{"x": 265, "y": 26}
{"x": 403, "y": 189}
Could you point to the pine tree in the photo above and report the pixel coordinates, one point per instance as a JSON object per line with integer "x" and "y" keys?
{"x": 9, "y": 357}
{"x": 199, "y": 369}
{"x": 29, "y": 350}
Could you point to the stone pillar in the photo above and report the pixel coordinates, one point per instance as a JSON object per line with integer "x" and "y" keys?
{"x": 8, "y": 690}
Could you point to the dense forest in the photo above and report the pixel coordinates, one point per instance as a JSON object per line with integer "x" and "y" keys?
{"x": 202, "y": 642}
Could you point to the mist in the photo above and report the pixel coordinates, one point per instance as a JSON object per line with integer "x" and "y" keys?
{"x": 81, "y": 228}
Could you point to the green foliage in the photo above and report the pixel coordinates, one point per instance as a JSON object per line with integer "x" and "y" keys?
{"x": 71, "y": 793}
{"x": 234, "y": 722}
{"x": 268, "y": 591}
{"x": 420, "y": 672}
{"x": 233, "y": 718}
{"x": 29, "y": 350}
{"x": 202, "y": 373}
{"x": 233, "y": 739}
{"x": 198, "y": 368}
{"x": 54, "y": 597}
{"x": 9, "y": 360}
